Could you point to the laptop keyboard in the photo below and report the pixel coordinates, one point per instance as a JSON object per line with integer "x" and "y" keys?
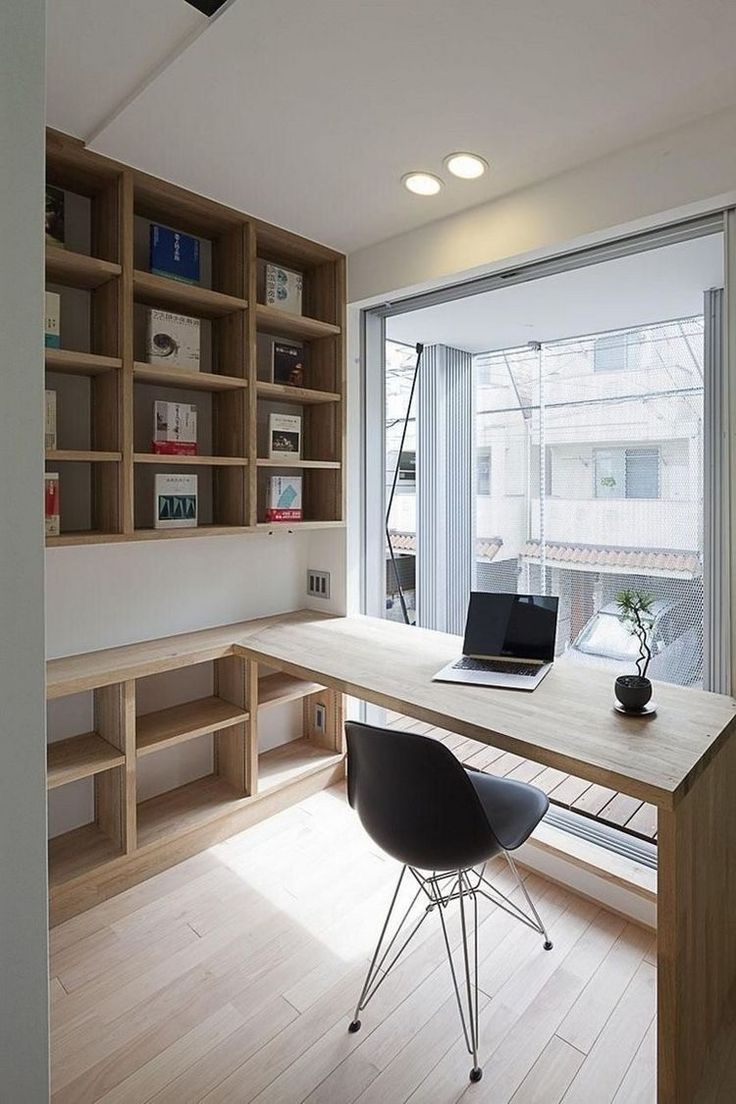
{"x": 467, "y": 663}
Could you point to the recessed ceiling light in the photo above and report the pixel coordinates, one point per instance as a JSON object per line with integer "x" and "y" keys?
{"x": 468, "y": 166}
{"x": 422, "y": 183}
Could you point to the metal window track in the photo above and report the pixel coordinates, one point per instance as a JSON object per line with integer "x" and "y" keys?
{"x": 604, "y": 835}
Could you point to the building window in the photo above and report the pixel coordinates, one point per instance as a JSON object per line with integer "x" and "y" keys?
{"x": 483, "y": 471}
{"x": 611, "y": 353}
{"x": 408, "y": 469}
{"x": 627, "y": 473}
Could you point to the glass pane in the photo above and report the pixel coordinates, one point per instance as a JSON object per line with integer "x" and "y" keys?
{"x": 598, "y": 487}
{"x": 401, "y": 463}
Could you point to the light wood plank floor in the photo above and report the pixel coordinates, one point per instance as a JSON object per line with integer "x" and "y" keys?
{"x": 232, "y": 978}
{"x": 639, "y": 818}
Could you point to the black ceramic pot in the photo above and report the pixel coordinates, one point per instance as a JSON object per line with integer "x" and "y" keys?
{"x": 633, "y": 692}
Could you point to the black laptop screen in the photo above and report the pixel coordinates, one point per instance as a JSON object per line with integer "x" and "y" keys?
{"x": 519, "y": 626}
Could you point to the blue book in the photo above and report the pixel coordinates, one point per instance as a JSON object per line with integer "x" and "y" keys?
{"x": 174, "y": 254}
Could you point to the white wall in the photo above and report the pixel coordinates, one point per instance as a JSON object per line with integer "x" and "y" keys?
{"x": 627, "y": 189}
{"x": 23, "y": 937}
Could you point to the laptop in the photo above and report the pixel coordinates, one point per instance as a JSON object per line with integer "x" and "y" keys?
{"x": 509, "y": 641}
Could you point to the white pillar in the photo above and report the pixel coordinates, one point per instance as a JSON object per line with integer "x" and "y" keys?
{"x": 444, "y": 488}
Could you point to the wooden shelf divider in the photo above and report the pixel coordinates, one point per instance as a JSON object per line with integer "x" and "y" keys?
{"x": 80, "y": 757}
{"x": 178, "y": 723}
{"x": 68, "y": 362}
{"x": 281, "y": 323}
{"x": 190, "y": 461}
{"x": 195, "y": 381}
{"x": 87, "y": 456}
{"x": 282, "y": 392}
{"x": 78, "y": 270}
{"x": 158, "y": 291}
{"x": 279, "y": 688}
{"x": 328, "y": 465}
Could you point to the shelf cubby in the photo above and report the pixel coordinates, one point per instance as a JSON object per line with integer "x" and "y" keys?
{"x": 177, "y": 811}
{"x": 79, "y": 852}
{"x": 289, "y": 762}
{"x": 169, "y": 294}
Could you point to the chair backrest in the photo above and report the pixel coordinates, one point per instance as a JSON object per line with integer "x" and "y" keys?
{"x": 415, "y": 800}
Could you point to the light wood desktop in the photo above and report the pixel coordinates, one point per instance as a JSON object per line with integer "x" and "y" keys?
{"x": 683, "y": 760}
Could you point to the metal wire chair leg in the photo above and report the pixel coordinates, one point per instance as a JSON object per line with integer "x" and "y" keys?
{"x": 470, "y": 1026}
{"x": 372, "y": 981}
{"x": 512, "y": 866}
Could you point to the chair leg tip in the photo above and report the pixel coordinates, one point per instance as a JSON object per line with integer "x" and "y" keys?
{"x": 476, "y": 1073}
{"x": 548, "y": 945}
{"x": 354, "y": 1026}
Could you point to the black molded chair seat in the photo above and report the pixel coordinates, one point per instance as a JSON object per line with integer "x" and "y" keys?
{"x": 514, "y": 809}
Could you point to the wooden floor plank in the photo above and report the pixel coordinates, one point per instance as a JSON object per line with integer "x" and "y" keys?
{"x": 551, "y": 1074}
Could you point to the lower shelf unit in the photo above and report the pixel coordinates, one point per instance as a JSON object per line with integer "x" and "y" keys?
{"x": 131, "y": 839}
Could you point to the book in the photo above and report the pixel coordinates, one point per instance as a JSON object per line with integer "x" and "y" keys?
{"x": 284, "y": 502}
{"x": 174, "y": 428}
{"x": 54, "y": 216}
{"x": 49, "y": 419}
{"x": 281, "y": 360}
{"x": 174, "y": 254}
{"x": 284, "y": 288}
{"x": 174, "y": 501}
{"x": 284, "y": 437}
{"x": 51, "y": 504}
{"x": 173, "y": 340}
{"x": 288, "y": 361}
{"x": 52, "y": 325}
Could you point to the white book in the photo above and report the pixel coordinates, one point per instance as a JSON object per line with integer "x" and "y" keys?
{"x": 52, "y": 323}
{"x": 284, "y": 437}
{"x": 284, "y": 288}
{"x": 49, "y": 420}
{"x": 174, "y": 501}
{"x": 174, "y": 428}
{"x": 173, "y": 340}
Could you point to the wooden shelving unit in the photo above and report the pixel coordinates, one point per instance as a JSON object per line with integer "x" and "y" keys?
{"x": 131, "y": 838}
{"x": 101, "y": 377}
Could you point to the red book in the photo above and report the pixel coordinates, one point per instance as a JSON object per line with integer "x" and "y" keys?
{"x": 51, "y": 503}
{"x": 175, "y": 448}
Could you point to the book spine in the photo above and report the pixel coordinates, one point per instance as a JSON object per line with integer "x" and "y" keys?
{"x": 51, "y": 504}
{"x": 276, "y": 513}
{"x": 49, "y": 420}
{"x": 174, "y": 448}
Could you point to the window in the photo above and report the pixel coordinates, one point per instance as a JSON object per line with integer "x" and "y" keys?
{"x": 627, "y": 473}
{"x": 408, "y": 469}
{"x": 611, "y": 353}
{"x": 483, "y": 471}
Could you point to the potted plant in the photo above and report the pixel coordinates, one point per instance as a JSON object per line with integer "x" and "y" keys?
{"x": 634, "y": 691}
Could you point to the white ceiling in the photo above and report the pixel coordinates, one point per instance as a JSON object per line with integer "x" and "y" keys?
{"x": 307, "y": 114}
{"x": 656, "y": 286}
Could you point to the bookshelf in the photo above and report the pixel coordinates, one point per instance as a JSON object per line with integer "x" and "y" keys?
{"x": 106, "y": 389}
{"x": 132, "y": 832}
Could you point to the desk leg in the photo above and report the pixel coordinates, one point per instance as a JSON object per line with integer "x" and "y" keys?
{"x": 696, "y": 920}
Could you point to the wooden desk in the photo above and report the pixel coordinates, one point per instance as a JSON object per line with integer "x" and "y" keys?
{"x": 683, "y": 760}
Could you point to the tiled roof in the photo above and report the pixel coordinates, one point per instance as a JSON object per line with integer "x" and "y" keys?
{"x": 668, "y": 561}
{"x": 486, "y": 548}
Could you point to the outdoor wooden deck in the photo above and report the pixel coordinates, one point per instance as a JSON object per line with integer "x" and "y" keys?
{"x": 608, "y": 806}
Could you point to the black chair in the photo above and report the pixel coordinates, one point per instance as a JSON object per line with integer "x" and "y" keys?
{"x": 442, "y": 822}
